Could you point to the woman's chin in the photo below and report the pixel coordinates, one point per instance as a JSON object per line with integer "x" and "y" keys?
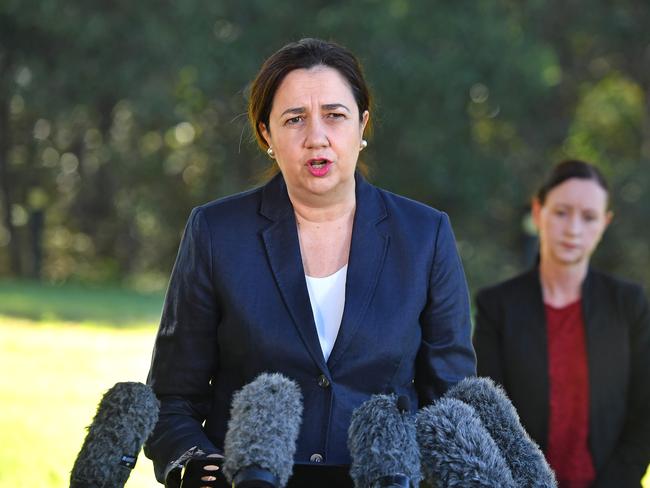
{"x": 330, "y": 184}
{"x": 571, "y": 259}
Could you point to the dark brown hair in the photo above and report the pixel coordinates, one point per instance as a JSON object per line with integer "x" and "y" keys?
{"x": 571, "y": 168}
{"x": 304, "y": 54}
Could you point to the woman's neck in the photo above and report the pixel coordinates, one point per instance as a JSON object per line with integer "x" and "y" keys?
{"x": 334, "y": 204}
{"x": 320, "y": 211}
{"x": 324, "y": 234}
{"x": 561, "y": 284}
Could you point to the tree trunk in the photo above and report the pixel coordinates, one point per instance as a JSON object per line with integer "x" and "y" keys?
{"x": 36, "y": 227}
{"x": 5, "y": 189}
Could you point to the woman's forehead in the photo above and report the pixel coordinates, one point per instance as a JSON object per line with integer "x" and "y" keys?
{"x": 302, "y": 88}
{"x": 578, "y": 191}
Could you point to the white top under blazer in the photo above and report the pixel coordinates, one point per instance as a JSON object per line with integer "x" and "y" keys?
{"x": 327, "y": 297}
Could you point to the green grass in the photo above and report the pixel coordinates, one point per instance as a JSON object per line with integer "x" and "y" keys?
{"x": 99, "y": 306}
{"x": 61, "y": 348}
{"x": 54, "y": 375}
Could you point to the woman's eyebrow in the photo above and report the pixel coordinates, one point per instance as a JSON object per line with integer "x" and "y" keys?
{"x": 295, "y": 110}
{"x": 327, "y": 106}
{"x": 334, "y": 106}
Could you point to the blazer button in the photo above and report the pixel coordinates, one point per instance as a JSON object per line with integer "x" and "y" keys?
{"x": 323, "y": 382}
{"x": 316, "y": 458}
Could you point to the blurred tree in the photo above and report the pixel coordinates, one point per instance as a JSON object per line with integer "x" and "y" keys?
{"x": 117, "y": 117}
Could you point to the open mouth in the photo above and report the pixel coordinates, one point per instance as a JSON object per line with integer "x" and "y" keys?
{"x": 319, "y": 166}
{"x": 318, "y": 163}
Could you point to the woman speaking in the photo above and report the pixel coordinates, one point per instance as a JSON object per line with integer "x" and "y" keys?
{"x": 347, "y": 289}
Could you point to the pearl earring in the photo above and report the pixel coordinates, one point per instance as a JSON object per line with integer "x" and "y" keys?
{"x": 270, "y": 152}
{"x": 364, "y": 144}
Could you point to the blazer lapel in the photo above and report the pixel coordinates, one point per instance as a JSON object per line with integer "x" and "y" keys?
{"x": 533, "y": 340}
{"x": 367, "y": 254}
{"x": 533, "y": 309}
{"x": 599, "y": 338}
{"x": 283, "y": 251}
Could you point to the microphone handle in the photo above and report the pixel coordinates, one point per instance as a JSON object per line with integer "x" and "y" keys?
{"x": 392, "y": 481}
{"x": 254, "y": 477}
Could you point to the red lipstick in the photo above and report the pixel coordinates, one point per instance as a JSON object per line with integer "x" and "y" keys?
{"x": 319, "y": 166}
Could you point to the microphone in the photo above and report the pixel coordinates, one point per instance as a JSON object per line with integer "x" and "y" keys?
{"x": 383, "y": 444}
{"x": 264, "y": 424}
{"x": 126, "y": 415}
{"x": 525, "y": 459}
{"x": 456, "y": 450}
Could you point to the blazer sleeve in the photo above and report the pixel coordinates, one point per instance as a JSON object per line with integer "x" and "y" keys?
{"x": 631, "y": 456}
{"x": 487, "y": 336}
{"x": 185, "y": 352}
{"x": 446, "y": 355}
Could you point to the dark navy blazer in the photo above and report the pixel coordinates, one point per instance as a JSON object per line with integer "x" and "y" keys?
{"x": 511, "y": 346}
{"x": 237, "y": 305}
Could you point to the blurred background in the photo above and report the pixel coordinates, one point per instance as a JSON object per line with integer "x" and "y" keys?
{"x": 116, "y": 118}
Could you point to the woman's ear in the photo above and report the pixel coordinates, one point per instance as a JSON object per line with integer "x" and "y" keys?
{"x": 266, "y": 134}
{"x": 536, "y": 210}
{"x": 364, "y": 121}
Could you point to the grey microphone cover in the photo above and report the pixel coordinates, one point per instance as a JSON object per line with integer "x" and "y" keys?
{"x": 456, "y": 450}
{"x": 126, "y": 415}
{"x": 264, "y": 424}
{"x": 382, "y": 442}
{"x": 524, "y": 457}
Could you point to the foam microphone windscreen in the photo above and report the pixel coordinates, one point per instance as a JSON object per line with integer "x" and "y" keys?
{"x": 383, "y": 444}
{"x": 525, "y": 459}
{"x": 126, "y": 415}
{"x": 456, "y": 450}
{"x": 264, "y": 424}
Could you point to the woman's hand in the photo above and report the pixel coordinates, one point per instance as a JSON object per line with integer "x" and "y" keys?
{"x": 202, "y": 471}
{"x": 211, "y": 469}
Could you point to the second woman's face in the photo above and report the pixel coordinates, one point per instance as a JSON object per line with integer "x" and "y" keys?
{"x": 571, "y": 221}
{"x": 315, "y": 132}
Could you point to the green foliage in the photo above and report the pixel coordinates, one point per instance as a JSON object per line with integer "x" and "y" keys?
{"x": 608, "y": 123}
{"x": 122, "y": 116}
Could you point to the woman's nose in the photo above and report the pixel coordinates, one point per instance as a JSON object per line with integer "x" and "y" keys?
{"x": 574, "y": 225}
{"x": 316, "y": 134}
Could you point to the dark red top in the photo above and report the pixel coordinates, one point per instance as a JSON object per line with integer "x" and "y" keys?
{"x": 567, "y": 450}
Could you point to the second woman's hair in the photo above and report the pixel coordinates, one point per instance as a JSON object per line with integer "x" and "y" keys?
{"x": 571, "y": 168}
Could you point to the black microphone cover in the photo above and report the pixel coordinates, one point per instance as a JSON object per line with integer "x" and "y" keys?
{"x": 264, "y": 424}
{"x": 383, "y": 444}
{"x": 525, "y": 459}
{"x": 126, "y": 415}
{"x": 456, "y": 449}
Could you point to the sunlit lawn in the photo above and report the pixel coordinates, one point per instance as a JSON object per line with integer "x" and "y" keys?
{"x": 55, "y": 370}
{"x": 60, "y": 349}
{"x": 108, "y": 306}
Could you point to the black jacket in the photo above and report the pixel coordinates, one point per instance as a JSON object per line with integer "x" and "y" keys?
{"x": 511, "y": 348}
